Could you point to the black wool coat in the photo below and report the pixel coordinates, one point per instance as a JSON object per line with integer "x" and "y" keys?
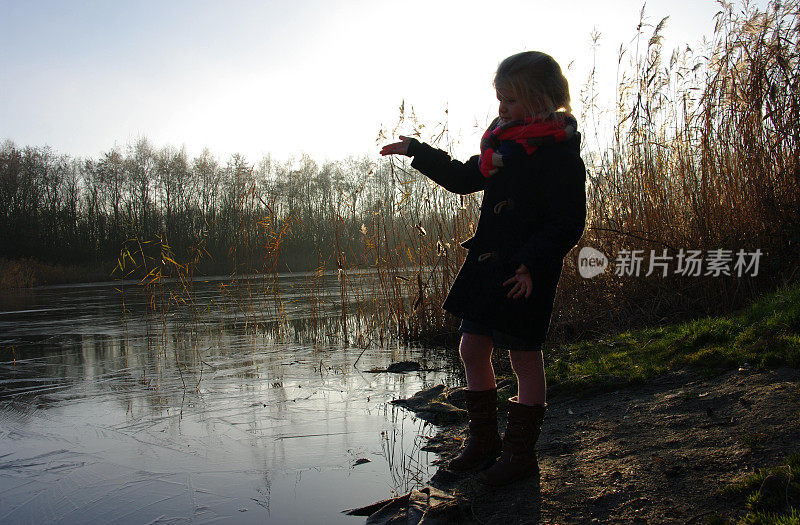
{"x": 533, "y": 212}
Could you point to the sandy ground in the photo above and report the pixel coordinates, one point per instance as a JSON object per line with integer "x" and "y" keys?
{"x": 654, "y": 453}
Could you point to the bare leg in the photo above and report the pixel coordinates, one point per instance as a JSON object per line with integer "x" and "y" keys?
{"x": 476, "y": 354}
{"x": 529, "y": 368}
{"x": 483, "y": 443}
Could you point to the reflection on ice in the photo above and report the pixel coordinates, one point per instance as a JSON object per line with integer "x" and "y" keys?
{"x": 105, "y": 421}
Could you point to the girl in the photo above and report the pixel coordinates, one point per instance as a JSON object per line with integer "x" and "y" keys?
{"x": 533, "y": 212}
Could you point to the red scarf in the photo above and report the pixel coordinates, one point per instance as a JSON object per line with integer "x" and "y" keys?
{"x": 531, "y": 133}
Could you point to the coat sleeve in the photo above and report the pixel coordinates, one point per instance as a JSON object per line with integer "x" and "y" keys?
{"x": 452, "y": 175}
{"x": 565, "y": 212}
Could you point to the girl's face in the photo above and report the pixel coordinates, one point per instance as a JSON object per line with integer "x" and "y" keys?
{"x": 511, "y": 108}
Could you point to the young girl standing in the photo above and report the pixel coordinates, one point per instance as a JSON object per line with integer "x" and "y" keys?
{"x": 533, "y": 212}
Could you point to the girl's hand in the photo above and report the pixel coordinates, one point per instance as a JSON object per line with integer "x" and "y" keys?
{"x": 523, "y": 284}
{"x": 397, "y": 148}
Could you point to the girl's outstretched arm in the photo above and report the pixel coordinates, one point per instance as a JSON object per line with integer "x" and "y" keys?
{"x": 458, "y": 177}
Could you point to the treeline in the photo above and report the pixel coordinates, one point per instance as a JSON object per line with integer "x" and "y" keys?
{"x": 236, "y": 215}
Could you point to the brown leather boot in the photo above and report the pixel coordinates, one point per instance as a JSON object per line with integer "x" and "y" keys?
{"x": 519, "y": 455}
{"x": 483, "y": 443}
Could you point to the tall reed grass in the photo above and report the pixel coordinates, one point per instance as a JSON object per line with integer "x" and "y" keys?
{"x": 702, "y": 153}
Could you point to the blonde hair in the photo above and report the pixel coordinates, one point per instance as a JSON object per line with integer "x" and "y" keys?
{"x": 536, "y": 80}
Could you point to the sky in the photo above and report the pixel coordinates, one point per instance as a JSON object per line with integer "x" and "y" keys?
{"x": 292, "y": 77}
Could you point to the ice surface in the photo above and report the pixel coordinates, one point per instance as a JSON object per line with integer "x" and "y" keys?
{"x": 110, "y": 413}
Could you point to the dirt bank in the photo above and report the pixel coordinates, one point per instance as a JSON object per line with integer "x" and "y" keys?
{"x": 654, "y": 453}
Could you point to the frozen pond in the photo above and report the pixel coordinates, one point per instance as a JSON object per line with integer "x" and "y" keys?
{"x": 111, "y": 413}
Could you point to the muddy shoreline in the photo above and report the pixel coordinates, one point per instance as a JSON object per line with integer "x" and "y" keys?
{"x": 660, "y": 452}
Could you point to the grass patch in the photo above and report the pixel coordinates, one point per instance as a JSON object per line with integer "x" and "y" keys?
{"x": 764, "y": 335}
{"x": 771, "y": 496}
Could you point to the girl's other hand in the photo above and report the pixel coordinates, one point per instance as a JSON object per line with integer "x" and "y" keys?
{"x": 397, "y": 148}
{"x": 523, "y": 284}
